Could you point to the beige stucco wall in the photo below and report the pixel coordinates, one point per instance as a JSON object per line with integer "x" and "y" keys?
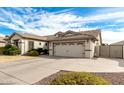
{"x": 96, "y": 52}
{"x": 25, "y": 45}
{"x": 98, "y": 43}
{"x": 50, "y": 48}
{"x": 37, "y": 45}
{"x": 89, "y": 49}
{"x": 92, "y": 47}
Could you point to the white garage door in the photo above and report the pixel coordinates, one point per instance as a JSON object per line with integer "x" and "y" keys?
{"x": 69, "y": 49}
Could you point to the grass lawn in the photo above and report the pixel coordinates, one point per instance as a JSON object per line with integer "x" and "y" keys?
{"x": 4, "y": 58}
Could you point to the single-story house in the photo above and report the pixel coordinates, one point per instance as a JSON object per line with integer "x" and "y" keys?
{"x": 67, "y": 44}
{"x": 2, "y": 42}
{"x": 118, "y": 43}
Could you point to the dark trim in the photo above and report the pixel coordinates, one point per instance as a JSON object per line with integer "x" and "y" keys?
{"x": 109, "y": 51}
{"x": 53, "y": 49}
{"x": 122, "y": 51}
{"x": 73, "y": 39}
{"x": 99, "y": 50}
{"x": 88, "y": 50}
{"x": 35, "y": 39}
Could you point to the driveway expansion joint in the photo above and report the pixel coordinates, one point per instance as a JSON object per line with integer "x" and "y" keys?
{"x": 14, "y": 77}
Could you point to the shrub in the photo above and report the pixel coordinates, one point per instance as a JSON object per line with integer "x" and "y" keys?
{"x": 45, "y": 51}
{"x": 8, "y": 46}
{"x": 33, "y": 53}
{"x": 78, "y": 78}
{"x": 39, "y": 50}
{"x": 1, "y": 50}
{"x": 11, "y": 50}
{"x": 32, "y": 50}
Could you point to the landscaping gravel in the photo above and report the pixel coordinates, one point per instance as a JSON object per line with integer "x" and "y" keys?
{"x": 114, "y": 78}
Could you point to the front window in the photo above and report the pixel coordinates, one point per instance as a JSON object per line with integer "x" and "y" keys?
{"x": 31, "y": 45}
{"x": 15, "y": 42}
{"x": 39, "y": 43}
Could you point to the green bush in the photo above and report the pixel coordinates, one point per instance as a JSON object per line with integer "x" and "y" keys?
{"x": 1, "y": 50}
{"x": 11, "y": 50}
{"x": 79, "y": 78}
{"x": 45, "y": 51}
{"x": 39, "y": 50}
{"x": 32, "y": 50}
{"x": 33, "y": 53}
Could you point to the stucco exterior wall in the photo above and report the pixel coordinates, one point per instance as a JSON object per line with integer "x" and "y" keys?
{"x": 51, "y": 48}
{"x": 98, "y": 43}
{"x": 96, "y": 52}
{"x": 92, "y": 47}
{"x": 89, "y": 49}
{"x": 37, "y": 44}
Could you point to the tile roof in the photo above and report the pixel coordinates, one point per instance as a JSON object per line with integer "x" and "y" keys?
{"x": 29, "y": 36}
{"x": 92, "y": 34}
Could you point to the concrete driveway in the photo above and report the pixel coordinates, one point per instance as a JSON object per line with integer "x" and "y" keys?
{"x": 33, "y": 70}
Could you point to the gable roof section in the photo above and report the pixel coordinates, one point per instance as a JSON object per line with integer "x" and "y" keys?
{"x": 94, "y": 33}
{"x": 29, "y": 36}
{"x": 91, "y": 34}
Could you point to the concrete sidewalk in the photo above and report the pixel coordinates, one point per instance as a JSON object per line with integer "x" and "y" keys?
{"x": 33, "y": 70}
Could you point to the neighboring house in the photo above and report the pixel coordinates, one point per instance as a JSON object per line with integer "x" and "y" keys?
{"x": 2, "y": 42}
{"x": 118, "y": 43}
{"x": 67, "y": 44}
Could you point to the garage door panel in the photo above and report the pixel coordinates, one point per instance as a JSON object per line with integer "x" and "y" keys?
{"x": 69, "y": 50}
{"x": 58, "y": 50}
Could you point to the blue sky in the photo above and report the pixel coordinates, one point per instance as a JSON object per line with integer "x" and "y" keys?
{"x": 49, "y": 20}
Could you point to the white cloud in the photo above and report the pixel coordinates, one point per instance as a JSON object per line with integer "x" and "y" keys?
{"x": 2, "y": 35}
{"x": 109, "y": 36}
{"x": 106, "y": 16}
{"x": 45, "y": 23}
{"x": 119, "y": 20}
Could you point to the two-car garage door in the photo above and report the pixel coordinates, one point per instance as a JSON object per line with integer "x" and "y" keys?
{"x": 69, "y": 49}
